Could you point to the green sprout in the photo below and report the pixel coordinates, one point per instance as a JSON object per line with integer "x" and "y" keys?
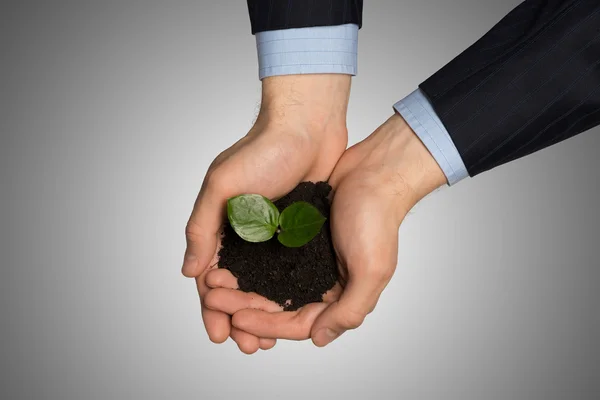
{"x": 256, "y": 219}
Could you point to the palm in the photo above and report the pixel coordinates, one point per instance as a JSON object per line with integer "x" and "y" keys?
{"x": 376, "y": 183}
{"x": 364, "y": 223}
{"x": 273, "y": 161}
{"x": 299, "y": 135}
{"x": 365, "y": 242}
{"x": 270, "y": 161}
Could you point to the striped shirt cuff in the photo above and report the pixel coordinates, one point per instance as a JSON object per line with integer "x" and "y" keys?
{"x": 420, "y": 115}
{"x": 313, "y": 50}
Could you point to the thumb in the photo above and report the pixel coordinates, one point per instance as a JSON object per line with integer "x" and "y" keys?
{"x": 358, "y": 299}
{"x": 202, "y": 231}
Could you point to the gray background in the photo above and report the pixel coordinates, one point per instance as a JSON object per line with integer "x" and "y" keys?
{"x": 111, "y": 113}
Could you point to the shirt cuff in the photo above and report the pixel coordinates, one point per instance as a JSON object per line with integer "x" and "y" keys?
{"x": 314, "y": 50}
{"x": 420, "y": 115}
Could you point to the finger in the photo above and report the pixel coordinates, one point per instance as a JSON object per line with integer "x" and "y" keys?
{"x": 281, "y": 325}
{"x": 267, "y": 344}
{"x": 216, "y": 323}
{"x": 334, "y": 293}
{"x": 356, "y": 302}
{"x": 221, "y": 278}
{"x": 202, "y": 230}
{"x": 231, "y": 301}
{"x": 247, "y": 343}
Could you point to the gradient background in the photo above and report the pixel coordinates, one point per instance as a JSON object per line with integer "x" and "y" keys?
{"x": 110, "y": 113}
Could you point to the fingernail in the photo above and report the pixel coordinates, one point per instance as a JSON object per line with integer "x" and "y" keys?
{"x": 190, "y": 262}
{"x": 324, "y": 337}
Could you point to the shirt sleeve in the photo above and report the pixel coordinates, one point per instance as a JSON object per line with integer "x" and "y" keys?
{"x": 334, "y": 49}
{"x": 418, "y": 113}
{"x": 313, "y": 50}
{"x": 270, "y": 15}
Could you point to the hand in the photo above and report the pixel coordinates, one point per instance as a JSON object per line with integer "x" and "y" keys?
{"x": 299, "y": 135}
{"x": 376, "y": 183}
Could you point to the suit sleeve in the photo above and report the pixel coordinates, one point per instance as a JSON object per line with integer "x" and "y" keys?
{"x": 270, "y": 15}
{"x": 532, "y": 81}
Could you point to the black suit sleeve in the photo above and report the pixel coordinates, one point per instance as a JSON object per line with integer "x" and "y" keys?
{"x": 530, "y": 82}
{"x": 269, "y": 15}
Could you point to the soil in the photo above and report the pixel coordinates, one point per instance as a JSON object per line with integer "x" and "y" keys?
{"x": 291, "y": 277}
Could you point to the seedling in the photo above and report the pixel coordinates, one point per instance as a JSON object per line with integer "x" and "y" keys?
{"x": 256, "y": 219}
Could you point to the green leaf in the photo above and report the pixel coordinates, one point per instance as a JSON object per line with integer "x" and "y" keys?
{"x": 300, "y": 223}
{"x": 253, "y": 217}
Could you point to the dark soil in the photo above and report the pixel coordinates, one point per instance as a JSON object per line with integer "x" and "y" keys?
{"x": 292, "y": 277}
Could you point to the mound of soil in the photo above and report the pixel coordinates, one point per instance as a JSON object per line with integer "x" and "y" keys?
{"x": 292, "y": 277}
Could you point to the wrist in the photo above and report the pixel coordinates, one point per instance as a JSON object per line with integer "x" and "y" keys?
{"x": 408, "y": 168}
{"x": 317, "y": 103}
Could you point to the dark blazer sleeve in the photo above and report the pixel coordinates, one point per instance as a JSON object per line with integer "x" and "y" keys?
{"x": 530, "y": 82}
{"x": 269, "y": 15}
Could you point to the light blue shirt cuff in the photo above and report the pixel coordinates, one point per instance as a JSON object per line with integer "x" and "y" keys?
{"x": 313, "y": 50}
{"x": 419, "y": 114}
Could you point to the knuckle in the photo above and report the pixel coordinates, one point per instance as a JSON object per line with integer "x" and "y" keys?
{"x": 215, "y": 179}
{"x": 352, "y": 319}
{"x": 193, "y": 232}
{"x": 211, "y": 178}
{"x": 238, "y": 320}
{"x": 211, "y": 299}
{"x": 303, "y": 324}
{"x": 214, "y": 279}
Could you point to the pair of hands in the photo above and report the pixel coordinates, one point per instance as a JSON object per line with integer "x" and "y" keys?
{"x": 300, "y": 135}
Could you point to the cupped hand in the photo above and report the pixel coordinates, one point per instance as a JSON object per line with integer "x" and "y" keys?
{"x": 299, "y": 135}
{"x": 376, "y": 183}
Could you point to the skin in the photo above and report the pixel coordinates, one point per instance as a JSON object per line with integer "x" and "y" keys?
{"x": 376, "y": 183}
{"x": 299, "y": 135}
